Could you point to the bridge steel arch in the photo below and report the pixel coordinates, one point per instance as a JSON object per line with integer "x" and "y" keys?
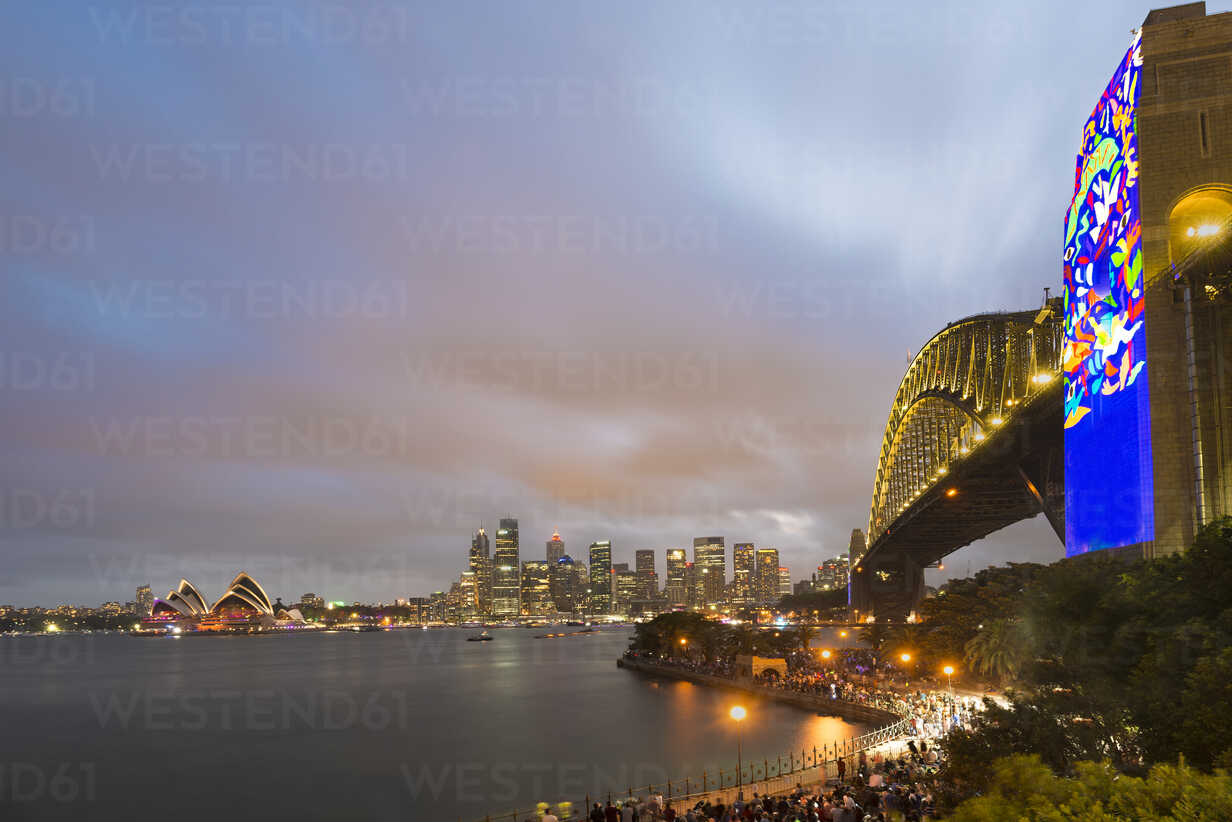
{"x": 973, "y": 443}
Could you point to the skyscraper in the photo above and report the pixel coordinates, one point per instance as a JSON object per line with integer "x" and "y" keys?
{"x": 536, "y": 589}
{"x": 481, "y": 566}
{"x": 601, "y": 577}
{"x": 857, "y": 548}
{"x": 784, "y": 582}
{"x": 766, "y": 584}
{"x": 648, "y": 580}
{"x": 145, "y": 600}
{"x": 744, "y": 570}
{"x": 556, "y": 548}
{"x": 675, "y": 588}
{"x": 710, "y": 557}
{"x": 562, "y": 579}
{"x": 506, "y": 571}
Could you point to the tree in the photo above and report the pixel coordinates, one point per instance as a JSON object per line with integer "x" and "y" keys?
{"x": 1023, "y": 788}
{"x": 998, "y": 651}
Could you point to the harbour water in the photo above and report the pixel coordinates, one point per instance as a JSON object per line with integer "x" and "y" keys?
{"x": 405, "y": 724}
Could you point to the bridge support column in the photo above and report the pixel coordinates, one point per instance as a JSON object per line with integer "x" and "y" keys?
{"x": 890, "y": 586}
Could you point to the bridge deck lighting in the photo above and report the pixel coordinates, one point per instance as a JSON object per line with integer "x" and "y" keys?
{"x": 996, "y": 421}
{"x": 951, "y": 492}
{"x": 964, "y": 450}
{"x": 1042, "y": 378}
{"x": 942, "y": 471}
{"x": 979, "y": 437}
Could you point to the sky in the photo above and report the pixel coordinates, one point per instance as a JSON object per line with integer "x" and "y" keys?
{"x": 315, "y": 289}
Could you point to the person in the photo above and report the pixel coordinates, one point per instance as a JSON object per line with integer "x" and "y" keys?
{"x": 626, "y": 812}
{"x": 596, "y": 814}
{"x": 611, "y": 813}
{"x": 842, "y": 769}
{"x": 549, "y": 817}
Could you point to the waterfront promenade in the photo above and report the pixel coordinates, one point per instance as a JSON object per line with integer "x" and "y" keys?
{"x": 849, "y": 711}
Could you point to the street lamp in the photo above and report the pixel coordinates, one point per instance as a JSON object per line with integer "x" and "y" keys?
{"x": 948, "y": 670}
{"x": 738, "y": 713}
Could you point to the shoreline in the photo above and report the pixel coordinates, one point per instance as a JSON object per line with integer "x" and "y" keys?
{"x": 849, "y": 711}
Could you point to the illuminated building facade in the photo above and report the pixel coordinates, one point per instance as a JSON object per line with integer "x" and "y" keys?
{"x": 710, "y": 558}
{"x": 648, "y": 580}
{"x": 601, "y": 577}
{"x": 784, "y": 583}
{"x": 675, "y": 588}
{"x": 766, "y": 581}
{"x": 564, "y": 584}
{"x": 506, "y": 571}
{"x": 144, "y": 600}
{"x": 555, "y": 548}
{"x": 481, "y": 566}
{"x": 744, "y": 571}
{"x": 536, "y": 589}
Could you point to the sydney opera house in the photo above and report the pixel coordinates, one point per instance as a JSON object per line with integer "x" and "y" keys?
{"x": 243, "y": 606}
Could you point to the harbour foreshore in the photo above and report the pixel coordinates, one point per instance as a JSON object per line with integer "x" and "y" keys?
{"x": 850, "y": 711}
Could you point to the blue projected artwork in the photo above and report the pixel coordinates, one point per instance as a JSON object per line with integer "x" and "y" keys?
{"x": 1109, "y": 494}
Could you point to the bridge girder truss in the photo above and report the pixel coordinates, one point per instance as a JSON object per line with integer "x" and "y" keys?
{"x": 970, "y": 378}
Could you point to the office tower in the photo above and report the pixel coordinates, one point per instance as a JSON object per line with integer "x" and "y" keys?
{"x": 506, "y": 571}
{"x": 675, "y": 588}
{"x": 536, "y": 589}
{"x": 556, "y": 548}
{"x": 145, "y": 600}
{"x": 832, "y": 574}
{"x": 710, "y": 557}
{"x": 694, "y": 591}
{"x": 625, "y": 589}
{"x": 601, "y": 577}
{"x": 744, "y": 570}
{"x": 481, "y": 567}
{"x": 766, "y": 583}
{"x": 581, "y": 587}
{"x": 857, "y": 547}
{"x": 784, "y": 583}
{"x": 468, "y": 589}
{"x": 644, "y": 564}
{"x": 562, "y": 581}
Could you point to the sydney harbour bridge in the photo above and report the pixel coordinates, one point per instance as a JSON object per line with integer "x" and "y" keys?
{"x": 973, "y": 443}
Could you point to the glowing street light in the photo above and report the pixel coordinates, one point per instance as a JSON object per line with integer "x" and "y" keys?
{"x": 825, "y": 654}
{"x": 948, "y": 670}
{"x": 738, "y": 713}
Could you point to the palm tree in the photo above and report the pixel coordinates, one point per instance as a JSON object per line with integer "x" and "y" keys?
{"x": 998, "y": 650}
{"x": 804, "y": 635}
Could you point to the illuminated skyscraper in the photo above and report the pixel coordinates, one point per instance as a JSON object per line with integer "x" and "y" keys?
{"x": 744, "y": 569}
{"x": 675, "y": 588}
{"x": 556, "y": 548}
{"x": 506, "y": 571}
{"x": 145, "y": 600}
{"x": 784, "y": 583}
{"x": 481, "y": 567}
{"x": 648, "y": 580}
{"x": 601, "y": 577}
{"x": 536, "y": 589}
{"x": 766, "y": 583}
{"x": 855, "y": 551}
{"x": 468, "y": 595}
{"x": 710, "y": 557}
{"x": 564, "y": 584}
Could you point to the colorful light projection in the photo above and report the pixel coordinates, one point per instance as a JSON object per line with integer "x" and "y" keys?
{"x": 1109, "y": 495}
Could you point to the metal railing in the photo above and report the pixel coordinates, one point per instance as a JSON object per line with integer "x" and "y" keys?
{"x": 692, "y": 788}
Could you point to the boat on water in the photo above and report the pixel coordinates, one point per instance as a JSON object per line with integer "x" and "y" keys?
{"x": 482, "y": 636}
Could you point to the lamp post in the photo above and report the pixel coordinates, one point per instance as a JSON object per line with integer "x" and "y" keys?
{"x": 905, "y": 657}
{"x": 738, "y": 713}
{"x": 948, "y": 670}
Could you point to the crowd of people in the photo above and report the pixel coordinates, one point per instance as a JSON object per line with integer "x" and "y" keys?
{"x": 868, "y": 787}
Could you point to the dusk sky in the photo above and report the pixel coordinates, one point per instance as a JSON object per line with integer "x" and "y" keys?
{"x": 314, "y": 290}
